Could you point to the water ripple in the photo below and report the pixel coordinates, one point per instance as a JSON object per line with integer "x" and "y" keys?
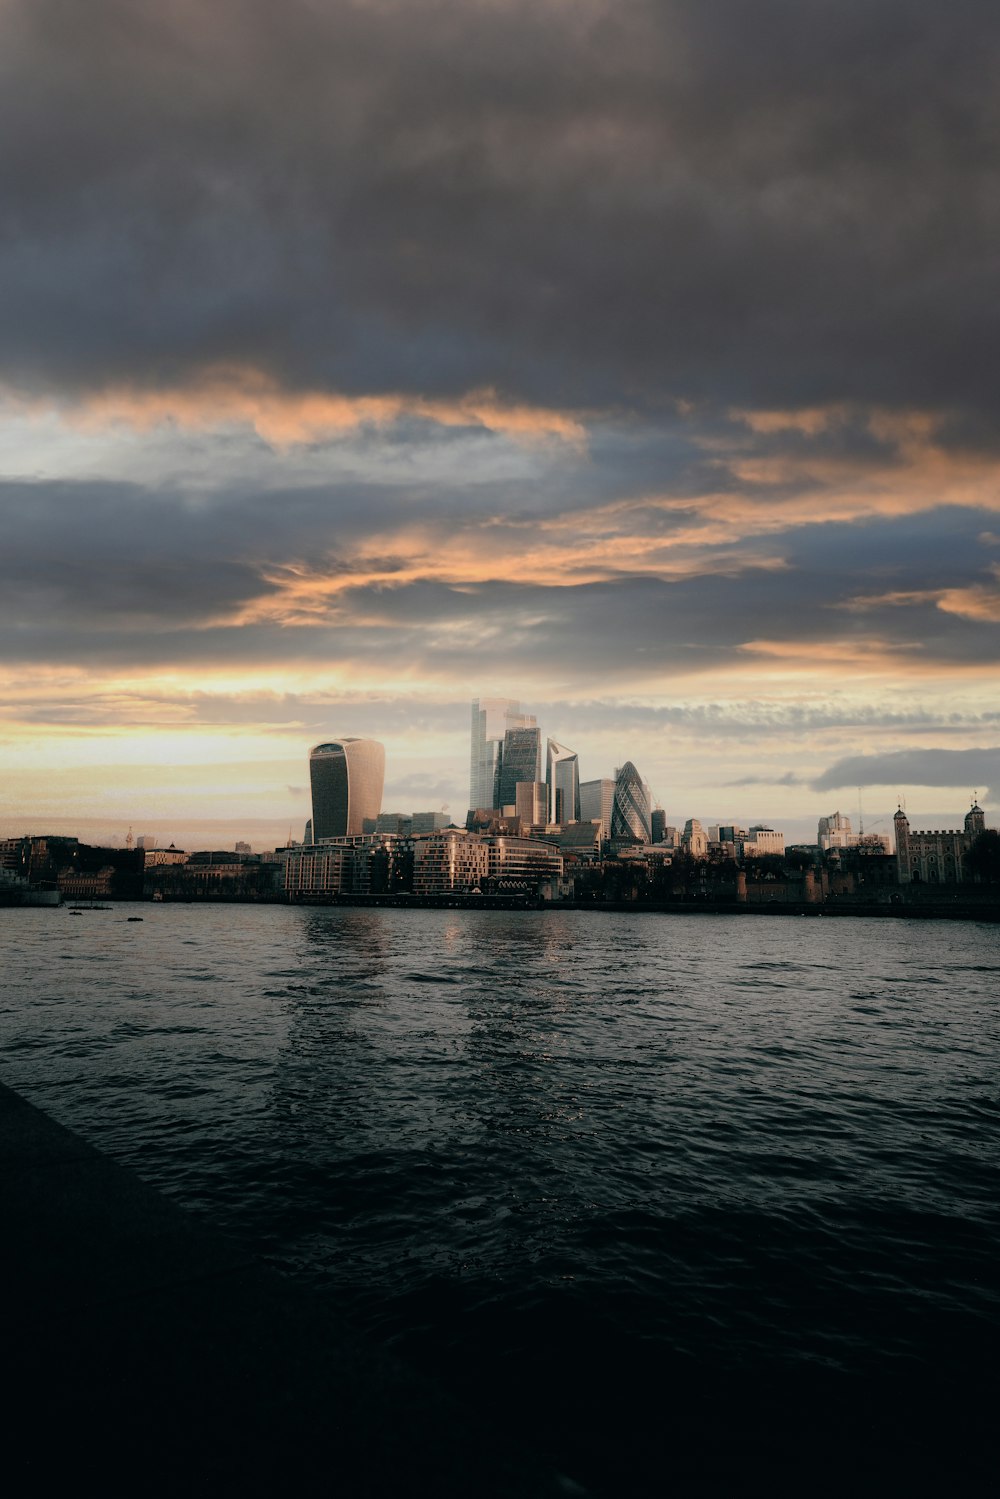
{"x": 578, "y": 1158}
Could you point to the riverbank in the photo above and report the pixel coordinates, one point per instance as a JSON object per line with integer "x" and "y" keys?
{"x": 956, "y": 908}
{"x": 147, "y": 1354}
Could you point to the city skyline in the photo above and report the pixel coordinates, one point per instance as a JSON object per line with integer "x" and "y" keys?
{"x": 634, "y": 359}
{"x": 491, "y": 721}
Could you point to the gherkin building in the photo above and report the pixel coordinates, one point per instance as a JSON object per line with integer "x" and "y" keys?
{"x": 630, "y": 809}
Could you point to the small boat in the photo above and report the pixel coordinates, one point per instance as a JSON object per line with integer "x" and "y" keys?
{"x": 136, "y": 918}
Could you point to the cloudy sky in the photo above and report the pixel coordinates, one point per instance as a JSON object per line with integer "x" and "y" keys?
{"x": 633, "y": 358}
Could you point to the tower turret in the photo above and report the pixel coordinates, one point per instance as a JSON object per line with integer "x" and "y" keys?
{"x": 975, "y": 820}
{"x": 901, "y": 826}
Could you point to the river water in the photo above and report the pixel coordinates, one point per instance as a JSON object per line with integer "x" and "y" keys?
{"x": 676, "y": 1199}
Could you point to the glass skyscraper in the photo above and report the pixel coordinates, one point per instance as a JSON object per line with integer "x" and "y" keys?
{"x": 520, "y": 759}
{"x": 346, "y": 776}
{"x": 630, "y": 810}
{"x": 491, "y": 718}
{"x": 562, "y": 777}
{"x": 596, "y": 801}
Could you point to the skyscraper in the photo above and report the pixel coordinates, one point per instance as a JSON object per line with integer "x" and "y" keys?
{"x": 596, "y": 801}
{"x": 519, "y": 759}
{"x": 562, "y": 777}
{"x": 531, "y": 802}
{"x": 491, "y": 718}
{"x": 630, "y": 811}
{"x": 346, "y": 776}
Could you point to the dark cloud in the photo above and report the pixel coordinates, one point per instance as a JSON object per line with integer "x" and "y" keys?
{"x": 788, "y": 779}
{"x": 122, "y": 576}
{"x": 915, "y": 767}
{"x": 619, "y": 204}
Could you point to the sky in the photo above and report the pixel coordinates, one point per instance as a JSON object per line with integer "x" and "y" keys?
{"x": 634, "y": 360}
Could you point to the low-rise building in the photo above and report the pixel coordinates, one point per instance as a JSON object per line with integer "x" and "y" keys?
{"x": 835, "y": 832}
{"x": 335, "y": 866}
{"x": 155, "y": 857}
{"x": 428, "y": 822}
{"x": 219, "y": 874}
{"x": 458, "y": 862}
{"x": 935, "y": 857}
{"x": 763, "y": 842}
{"x": 87, "y": 884}
{"x": 450, "y": 862}
{"x": 315, "y": 871}
{"x": 523, "y": 865}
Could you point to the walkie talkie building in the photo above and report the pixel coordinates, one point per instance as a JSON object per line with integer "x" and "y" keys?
{"x": 346, "y": 776}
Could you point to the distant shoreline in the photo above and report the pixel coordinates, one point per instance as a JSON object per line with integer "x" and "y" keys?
{"x": 957, "y": 909}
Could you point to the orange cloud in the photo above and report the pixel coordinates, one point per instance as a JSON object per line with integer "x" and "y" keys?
{"x": 900, "y": 599}
{"x": 810, "y": 420}
{"x": 224, "y": 396}
{"x": 978, "y": 601}
{"x": 303, "y": 594}
{"x": 852, "y": 661}
{"x": 850, "y": 649}
{"x": 918, "y": 473}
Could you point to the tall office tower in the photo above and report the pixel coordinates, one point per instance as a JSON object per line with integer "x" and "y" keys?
{"x": 657, "y": 825}
{"x": 630, "y": 811}
{"x": 519, "y": 759}
{"x": 530, "y": 802}
{"x": 346, "y": 777}
{"x": 562, "y": 777}
{"x": 491, "y": 718}
{"x": 596, "y": 800}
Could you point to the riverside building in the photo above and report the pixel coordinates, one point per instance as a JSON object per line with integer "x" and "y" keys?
{"x": 337, "y": 866}
{"x": 453, "y": 862}
{"x": 460, "y": 863}
{"x": 936, "y": 857}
